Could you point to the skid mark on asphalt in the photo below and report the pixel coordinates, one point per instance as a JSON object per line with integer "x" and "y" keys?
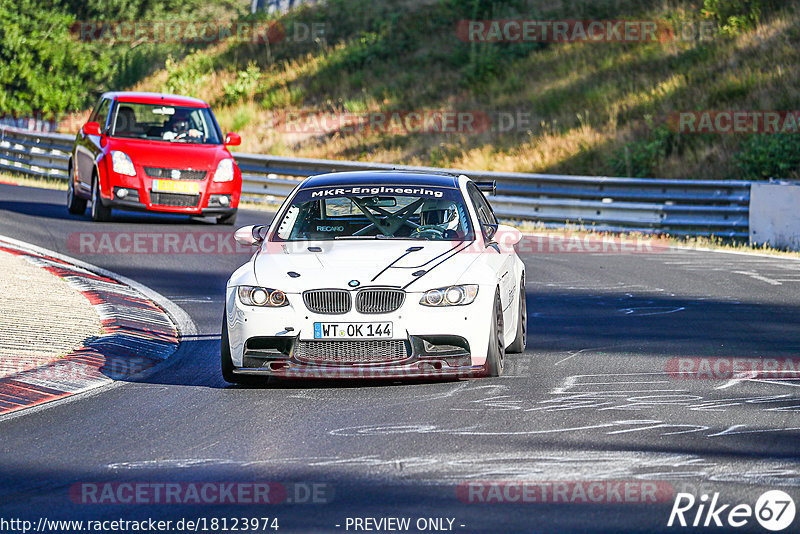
{"x": 642, "y": 393}
{"x": 196, "y": 300}
{"x": 571, "y": 287}
{"x": 643, "y": 311}
{"x": 582, "y": 351}
{"x": 755, "y": 276}
{"x": 611, "y": 428}
{"x": 771, "y": 271}
{"x": 457, "y": 467}
{"x": 637, "y": 391}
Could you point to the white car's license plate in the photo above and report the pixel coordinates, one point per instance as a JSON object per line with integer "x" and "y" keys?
{"x": 352, "y": 330}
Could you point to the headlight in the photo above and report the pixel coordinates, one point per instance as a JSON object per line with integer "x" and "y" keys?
{"x": 262, "y": 296}
{"x": 224, "y": 172}
{"x": 450, "y": 296}
{"x": 121, "y": 163}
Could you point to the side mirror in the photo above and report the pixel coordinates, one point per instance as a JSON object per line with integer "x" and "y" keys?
{"x": 489, "y": 230}
{"x": 91, "y": 128}
{"x": 250, "y": 235}
{"x": 233, "y": 139}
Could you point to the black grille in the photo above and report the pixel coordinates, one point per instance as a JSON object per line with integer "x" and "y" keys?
{"x": 351, "y": 352}
{"x": 156, "y": 172}
{"x": 174, "y": 199}
{"x": 327, "y": 301}
{"x": 379, "y": 300}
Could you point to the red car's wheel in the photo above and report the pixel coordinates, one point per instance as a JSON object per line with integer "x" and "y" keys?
{"x": 100, "y": 213}
{"x": 75, "y": 204}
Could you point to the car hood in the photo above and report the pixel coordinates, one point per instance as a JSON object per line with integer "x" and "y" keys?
{"x": 336, "y": 264}
{"x": 171, "y": 155}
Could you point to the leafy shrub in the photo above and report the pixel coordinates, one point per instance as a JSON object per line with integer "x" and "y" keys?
{"x": 769, "y": 156}
{"x": 38, "y": 71}
{"x": 244, "y": 84}
{"x": 43, "y": 66}
{"x": 241, "y": 118}
{"x": 185, "y": 77}
{"x": 639, "y": 159}
{"x": 736, "y": 16}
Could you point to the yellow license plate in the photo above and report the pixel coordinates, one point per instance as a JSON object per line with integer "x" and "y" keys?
{"x": 175, "y": 186}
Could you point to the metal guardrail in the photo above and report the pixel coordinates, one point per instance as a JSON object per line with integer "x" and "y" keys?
{"x": 681, "y": 207}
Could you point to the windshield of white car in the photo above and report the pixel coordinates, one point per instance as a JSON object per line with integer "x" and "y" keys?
{"x": 376, "y": 212}
{"x": 176, "y": 124}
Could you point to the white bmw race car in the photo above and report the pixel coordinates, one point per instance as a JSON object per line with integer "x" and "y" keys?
{"x": 377, "y": 274}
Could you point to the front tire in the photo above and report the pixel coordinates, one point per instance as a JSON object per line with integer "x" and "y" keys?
{"x": 226, "y": 363}
{"x": 520, "y": 339}
{"x": 75, "y": 204}
{"x": 100, "y": 213}
{"x": 496, "y": 351}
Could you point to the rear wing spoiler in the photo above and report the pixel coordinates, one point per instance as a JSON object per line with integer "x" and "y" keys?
{"x": 489, "y": 186}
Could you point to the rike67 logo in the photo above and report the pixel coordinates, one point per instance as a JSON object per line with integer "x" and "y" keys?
{"x": 774, "y": 510}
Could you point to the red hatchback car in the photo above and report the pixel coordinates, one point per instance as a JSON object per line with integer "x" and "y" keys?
{"x": 155, "y": 152}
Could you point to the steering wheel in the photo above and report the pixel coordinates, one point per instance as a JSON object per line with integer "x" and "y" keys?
{"x": 428, "y": 231}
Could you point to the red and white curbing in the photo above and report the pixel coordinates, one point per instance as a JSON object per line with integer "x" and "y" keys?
{"x": 138, "y": 333}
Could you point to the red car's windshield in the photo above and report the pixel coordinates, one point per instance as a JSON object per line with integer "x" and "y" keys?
{"x": 159, "y": 122}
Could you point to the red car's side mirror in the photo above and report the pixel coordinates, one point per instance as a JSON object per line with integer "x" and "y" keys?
{"x": 233, "y": 139}
{"x": 91, "y": 128}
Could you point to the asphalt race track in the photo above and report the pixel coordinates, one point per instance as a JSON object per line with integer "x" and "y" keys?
{"x": 595, "y": 398}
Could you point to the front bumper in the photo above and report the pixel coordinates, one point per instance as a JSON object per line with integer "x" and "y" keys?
{"x": 283, "y": 359}
{"x": 202, "y": 203}
{"x": 439, "y": 342}
{"x": 388, "y": 373}
{"x": 138, "y": 206}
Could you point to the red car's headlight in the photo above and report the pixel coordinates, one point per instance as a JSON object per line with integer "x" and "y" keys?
{"x": 121, "y": 163}
{"x": 224, "y": 172}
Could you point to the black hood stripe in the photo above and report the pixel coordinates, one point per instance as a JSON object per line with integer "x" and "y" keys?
{"x": 391, "y": 265}
{"x": 452, "y": 255}
{"x": 403, "y": 255}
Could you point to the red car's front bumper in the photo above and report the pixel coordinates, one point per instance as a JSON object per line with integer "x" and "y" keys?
{"x": 211, "y": 198}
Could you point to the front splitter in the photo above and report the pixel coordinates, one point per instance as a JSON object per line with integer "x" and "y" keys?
{"x": 417, "y": 370}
